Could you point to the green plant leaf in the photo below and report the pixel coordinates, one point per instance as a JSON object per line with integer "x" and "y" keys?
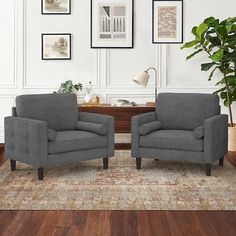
{"x": 190, "y": 44}
{"x": 209, "y": 20}
{"x": 201, "y": 29}
{"x": 214, "y": 40}
{"x": 223, "y": 95}
{"x": 193, "y": 54}
{"x": 194, "y": 30}
{"x": 212, "y": 73}
{"x": 220, "y": 90}
{"x": 207, "y": 66}
{"x": 218, "y": 55}
{"x": 221, "y": 32}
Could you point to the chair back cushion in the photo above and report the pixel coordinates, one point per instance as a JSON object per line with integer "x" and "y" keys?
{"x": 186, "y": 111}
{"x": 60, "y": 111}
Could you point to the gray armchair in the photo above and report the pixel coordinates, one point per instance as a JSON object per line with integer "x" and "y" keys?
{"x": 185, "y": 127}
{"x": 47, "y": 130}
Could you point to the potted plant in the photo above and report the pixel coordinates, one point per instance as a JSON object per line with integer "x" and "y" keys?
{"x": 218, "y": 40}
{"x": 69, "y": 87}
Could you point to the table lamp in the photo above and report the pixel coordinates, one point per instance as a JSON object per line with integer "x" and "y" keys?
{"x": 142, "y": 79}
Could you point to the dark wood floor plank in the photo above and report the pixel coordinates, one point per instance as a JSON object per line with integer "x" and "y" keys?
{"x": 117, "y": 223}
{"x": 92, "y": 223}
{"x": 104, "y": 223}
{"x": 34, "y": 220}
{"x": 49, "y": 223}
{"x": 78, "y": 222}
{"x": 173, "y": 223}
{"x": 189, "y": 223}
{"x": 158, "y": 223}
{"x": 143, "y": 224}
{"x": 224, "y": 222}
{"x": 125, "y": 223}
{"x": 16, "y": 224}
{"x": 6, "y": 217}
{"x": 131, "y": 223}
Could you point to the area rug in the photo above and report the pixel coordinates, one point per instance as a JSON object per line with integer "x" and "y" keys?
{"x": 86, "y": 186}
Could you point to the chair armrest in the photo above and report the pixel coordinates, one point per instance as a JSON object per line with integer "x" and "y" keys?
{"x": 135, "y": 123}
{"x": 215, "y": 138}
{"x": 105, "y": 120}
{"x": 26, "y": 140}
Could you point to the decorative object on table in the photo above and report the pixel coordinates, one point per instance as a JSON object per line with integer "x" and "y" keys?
{"x": 93, "y": 102}
{"x": 56, "y": 7}
{"x": 167, "y": 26}
{"x": 56, "y": 46}
{"x": 112, "y": 23}
{"x": 142, "y": 79}
{"x": 69, "y": 87}
{"x": 123, "y": 102}
{"x": 217, "y": 40}
{"x": 88, "y": 93}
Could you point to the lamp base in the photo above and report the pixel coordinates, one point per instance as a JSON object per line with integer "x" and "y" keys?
{"x": 150, "y": 104}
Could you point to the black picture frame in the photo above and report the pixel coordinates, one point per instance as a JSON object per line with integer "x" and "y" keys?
{"x": 69, "y": 35}
{"x": 181, "y": 25}
{"x": 55, "y": 13}
{"x": 111, "y": 47}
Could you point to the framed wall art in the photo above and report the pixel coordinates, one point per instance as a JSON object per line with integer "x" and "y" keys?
{"x": 112, "y": 23}
{"x": 56, "y": 7}
{"x": 56, "y": 46}
{"x": 167, "y": 26}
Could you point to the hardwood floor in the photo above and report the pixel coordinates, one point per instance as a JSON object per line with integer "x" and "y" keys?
{"x": 118, "y": 223}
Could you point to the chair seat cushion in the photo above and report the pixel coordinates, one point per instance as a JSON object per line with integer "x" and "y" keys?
{"x": 173, "y": 140}
{"x": 70, "y": 141}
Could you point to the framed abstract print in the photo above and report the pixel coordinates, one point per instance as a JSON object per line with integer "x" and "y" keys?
{"x": 112, "y": 23}
{"x": 167, "y": 26}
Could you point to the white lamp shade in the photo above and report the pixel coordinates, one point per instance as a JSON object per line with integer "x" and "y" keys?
{"x": 142, "y": 78}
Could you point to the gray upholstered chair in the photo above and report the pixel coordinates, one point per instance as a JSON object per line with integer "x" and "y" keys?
{"x": 185, "y": 127}
{"x": 47, "y": 130}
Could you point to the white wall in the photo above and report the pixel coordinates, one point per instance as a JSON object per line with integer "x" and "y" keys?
{"x": 23, "y": 71}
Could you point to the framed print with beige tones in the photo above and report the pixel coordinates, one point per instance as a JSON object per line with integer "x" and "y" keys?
{"x": 56, "y": 7}
{"x": 112, "y": 23}
{"x": 167, "y": 27}
{"x": 56, "y": 46}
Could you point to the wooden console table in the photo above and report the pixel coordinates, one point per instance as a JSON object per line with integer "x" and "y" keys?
{"x": 122, "y": 117}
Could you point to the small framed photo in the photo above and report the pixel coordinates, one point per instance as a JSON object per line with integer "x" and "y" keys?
{"x": 56, "y": 46}
{"x": 167, "y": 26}
{"x": 112, "y": 23}
{"x": 56, "y": 7}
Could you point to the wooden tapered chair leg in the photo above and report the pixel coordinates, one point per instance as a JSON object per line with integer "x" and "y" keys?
{"x": 208, "y": 169}
{"x": 105, "y": 163}
{"x": 40, "y": 173}
{"x": 13, "y": 165}
{"x": 221, "y": 161}
{"x": 138, "y": 163}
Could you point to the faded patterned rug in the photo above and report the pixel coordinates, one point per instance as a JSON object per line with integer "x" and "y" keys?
{"x": 86, "y": 186}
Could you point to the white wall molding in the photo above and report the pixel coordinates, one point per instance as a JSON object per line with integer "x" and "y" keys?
{"x": 6, "y": 111}
{"x": 25, "y": 83}
{"x": 165, "y": 57}
{"x": 13, "y": 81}
{"x": 109, "y": 84}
